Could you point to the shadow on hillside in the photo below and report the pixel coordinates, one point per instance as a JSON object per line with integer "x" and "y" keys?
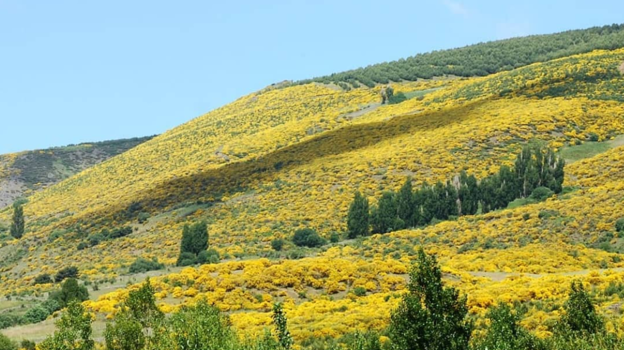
{"x": 239, "y": 176}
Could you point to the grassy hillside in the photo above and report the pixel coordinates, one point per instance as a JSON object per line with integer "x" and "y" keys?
{"x": 288, "y": 158}
{"x": 24, "y": 173}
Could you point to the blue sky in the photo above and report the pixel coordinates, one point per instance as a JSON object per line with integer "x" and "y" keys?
{"x": 78, "y": 71}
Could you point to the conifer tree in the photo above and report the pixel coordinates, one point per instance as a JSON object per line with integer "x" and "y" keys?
{"x": 358, "y": 219}
{"x": 405, "y": 204}
{"x": 384, "y": 218}
{"x": 17, "y": 222}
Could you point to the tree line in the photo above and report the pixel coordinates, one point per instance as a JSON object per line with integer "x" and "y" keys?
{"x": 537, "y": 172}
{"x": 483, "y": 58}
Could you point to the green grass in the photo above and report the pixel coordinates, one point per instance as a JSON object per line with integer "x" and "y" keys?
{"x": 420, "y": 93}
{"x": 589, "y": 149}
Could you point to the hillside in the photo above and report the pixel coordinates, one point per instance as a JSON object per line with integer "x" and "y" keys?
{"x": 292, "y": 157}
{"x": 24, "y": 173}
{"x": 483, "y": 58}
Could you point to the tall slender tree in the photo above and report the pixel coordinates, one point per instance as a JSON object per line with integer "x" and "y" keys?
{"x": 405, "y": 204}
{"x": 17, "y": 222}
{"x": 358, "y": 219}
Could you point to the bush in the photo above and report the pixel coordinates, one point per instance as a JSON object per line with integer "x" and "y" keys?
{"x": 277, "y": 244}
{"x": 143, "y": 217}
{"x": 359, "y": 291}
{"x": 68, "y": 272}
{"x": 144, "y": 265}
{"x": 6, "y": 343}
{"x": 82, "y": 246}
{"x": 36, "y": 315}
{"x": 28, "y": 345}
{"x": 210, "y": 256}
{"x": 307, "y": 237}
{"x": 9, "y": 320}
{"x": 43, "y": 279}
{"x": 541, "y": 193}
{"x": 334, "y": 237}
{"x": 619, "y": 225}
{"x": 186, "y": 259}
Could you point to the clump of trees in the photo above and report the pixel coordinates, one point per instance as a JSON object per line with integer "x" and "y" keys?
{"x": 481, "y": 59}
{"x": 194, "y": 246}
{"x": 538, "y": 173}
{"x": 105, "y": 235}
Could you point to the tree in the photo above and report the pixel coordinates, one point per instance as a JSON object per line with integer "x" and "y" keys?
{"x": 385, "y": 216}
{"x": 358, "y": 219}
{"x": 430, "y": 316}
{"x": 134, "y": 325}
{"x": 70, "y": 291}
{"x": 68, "y": 272}
{"x": 281, "y": 326}
{"x": 581, "y": 315}
{"x": 201, "y": 327}
{"x": 74, "y": 330}
{"x": 505, "y": 332}
{"x": 194, "y": 240}
{"x": 406, "y": 207}
{"x": 17, "y": 222}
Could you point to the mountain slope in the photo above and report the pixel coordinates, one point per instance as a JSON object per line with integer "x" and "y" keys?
{"x": 27, "y": 172}
{"x": 483, "y": 58}
{"x": 292, "y": 157}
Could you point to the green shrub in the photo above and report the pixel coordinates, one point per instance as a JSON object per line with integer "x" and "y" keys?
{"x": 36, "y": 315}
{"x": 277, "y": 244}
{"x": 143, "y": 217}
{"x": 359, "y": 291}
{"x": 28, "y": 345}
{"x": 186, "y": 259}
{"x": 68, "y": 272}
{"x": 143, "y": 265}
{"x": 619, "y": 225}
{"x": 6, "y": 343}
{"x": 307, "y": 237}
{"x": 210, "y": 256}
{"x": 334, "y": 237}
{"x": 541, "y": 193}
{"x": 43, "y": 279}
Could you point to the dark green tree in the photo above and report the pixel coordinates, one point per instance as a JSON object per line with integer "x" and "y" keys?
{"x": 194, "y": 240}
{"x": 430, "y": 316}
{"x": 17, "y": 222}
{"x": 68, "y": 272}
{"x": 581, "y": 315}
{"x": 406, "y": 207}
{"x": 70, "y": 291}
{"x": 281, "y": 326}
{"x": 384, "y": 218}
{"x": 358, "y": 218}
